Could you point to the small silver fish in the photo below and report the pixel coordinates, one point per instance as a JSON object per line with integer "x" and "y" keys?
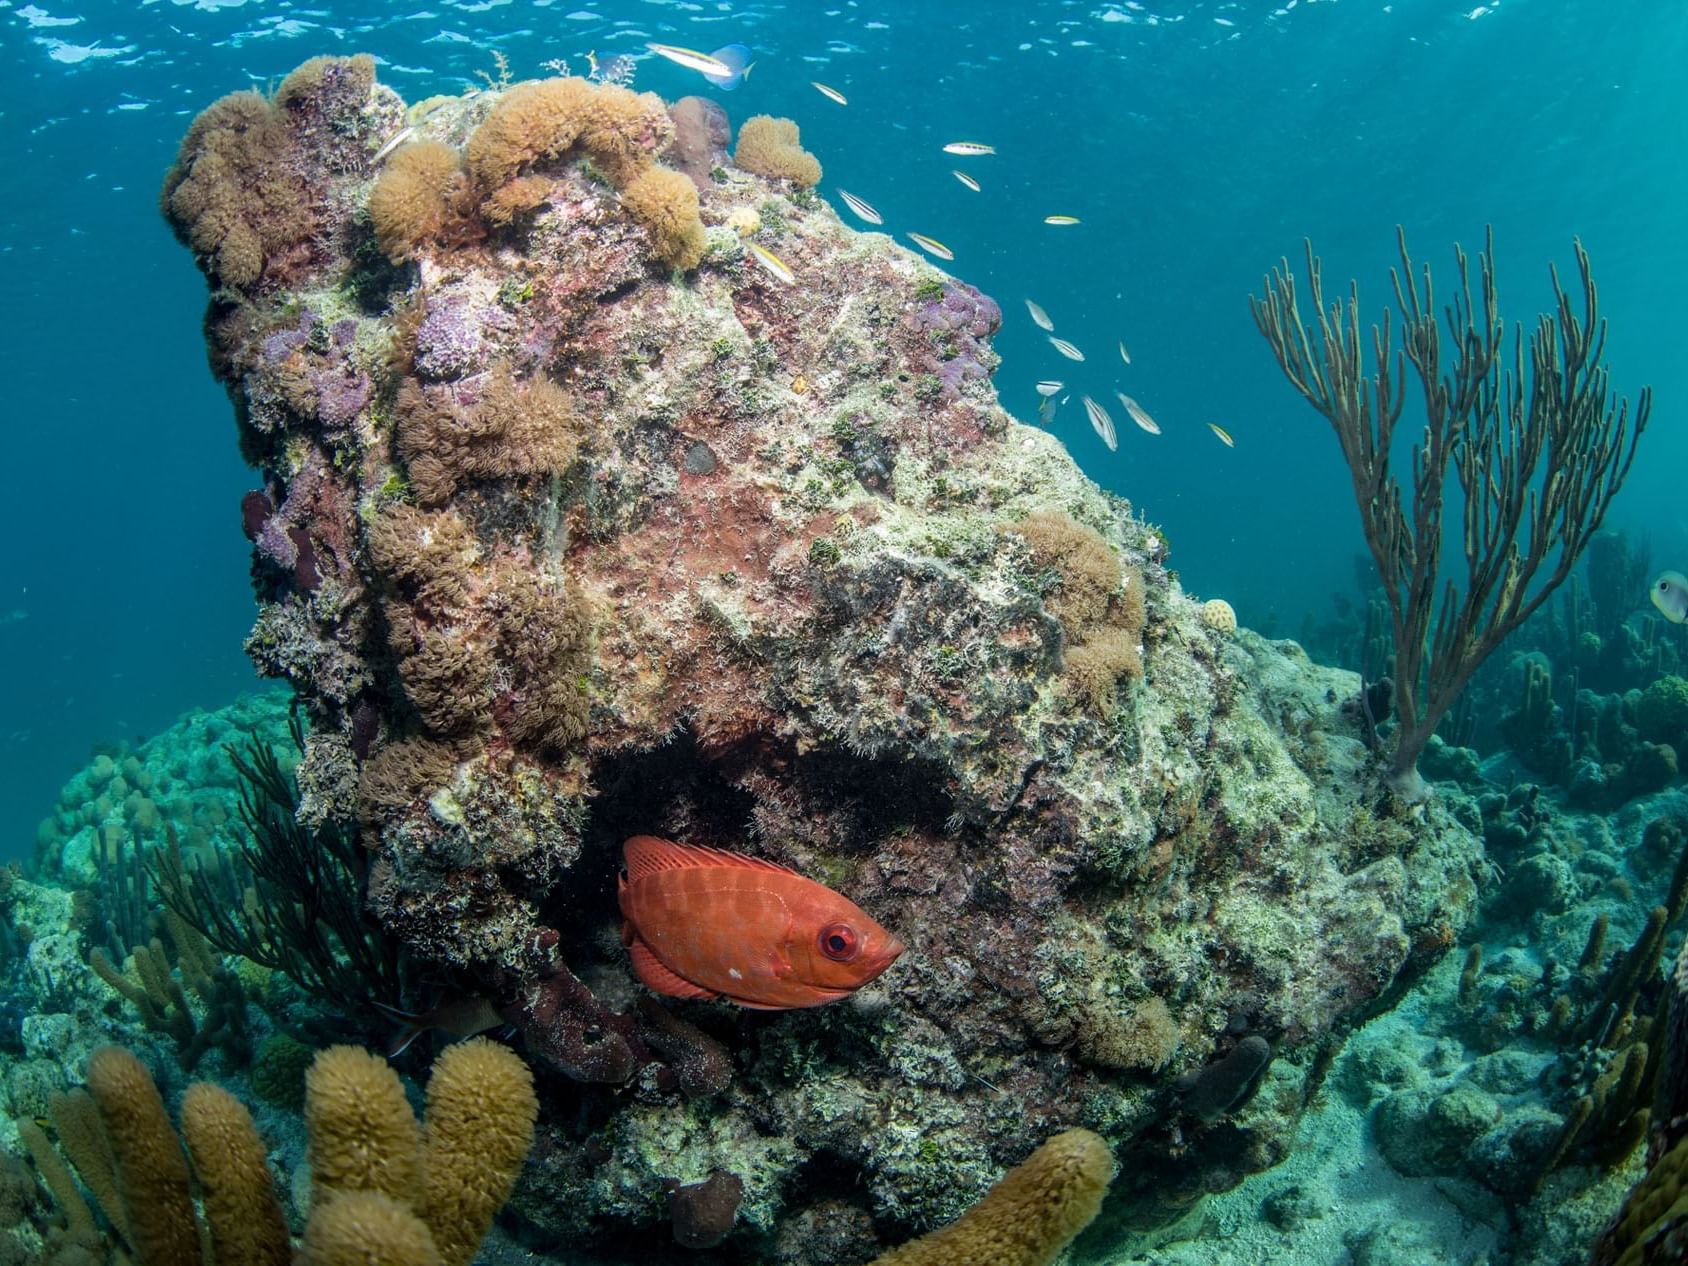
{"x": 1138, "y": 414}
{"x": 399, "y": 138}
{"x": 967, "y": 180}
{"x": 862, "y": 209}
{"x": 691, "y": 59}
{"x": 1670, "y": 596}
{"x": 1061, "y": 220}
{"x": 931, "y": 245}
{"x": 1049, "y": 387}
{"x": 776, "y": 266}
{"x": 1040, "y": 316}
{"x": 1065, "y": 348}
{"x": 1102, "y": 424}
{"x": 969, "y": 149}
{"x": 831, "y": 94}
{"x": 1223, "y": 434}
{"x": 1123, "y": 354}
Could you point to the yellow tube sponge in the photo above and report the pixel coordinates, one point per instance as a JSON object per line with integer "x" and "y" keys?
{"x": 366, "y": 1228}
{"x": 1029, "y": 1216}
{"x": 363, "y": 1136}
{"x": 768, "y": 147}
{"x": 666, "y": 203}
{"x": 236, "y": 1193}
{"x": 152, "y": 1173}
{"x": 481, "y": 1114}
{"x": 53, "y": 1172}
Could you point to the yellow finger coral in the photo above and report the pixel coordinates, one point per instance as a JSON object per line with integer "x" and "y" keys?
{"x": 480, "y": 1119}
{"x": 241, "y": 1211}
{"x": 1029, "y": 1216}
{"x": 666, "y": 203}
{"x": 768, "y": 146}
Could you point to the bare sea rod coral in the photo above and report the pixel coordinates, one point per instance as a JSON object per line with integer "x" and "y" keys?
{"x": 1539, "y": 460}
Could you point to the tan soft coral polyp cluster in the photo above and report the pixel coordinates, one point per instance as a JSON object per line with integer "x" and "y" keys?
{"x": 1099, "y": 602}
{"x": 769, "y": 147}
{"x": 666, "y": 203}
{"x": 547, "y": 120}
{"x": 418, "y": 199}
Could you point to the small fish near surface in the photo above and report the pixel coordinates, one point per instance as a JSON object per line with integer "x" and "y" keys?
{"x": 969, "y": 149}
{"x": 1123, "y": 354}
{"x": 1060, "y": 220}
{"x": 1039, "y": 316}
{"x": 1223, "y": 434}
{"x": 831, "y": 94}
{"x": 1139, "y": 414}
{"x": 967, "y": 180}
{"x": 705, "y": 923}
{"x": 1049, "y": 386}
{"x": 1065, "y": 348}
{"x": 691, "y": 59}
{"x": 1102, "y": 424}
{"x": 931, "y": 246}
{"x": 863, "y": 210}
{"x": 1670, "y": 596}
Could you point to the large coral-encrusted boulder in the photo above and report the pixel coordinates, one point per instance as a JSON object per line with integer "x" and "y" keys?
{"x": 578, "y": 521}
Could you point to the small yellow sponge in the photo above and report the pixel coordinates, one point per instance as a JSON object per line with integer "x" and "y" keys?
{"x": 363, "y": 1135}
{"x": 481, "y": 1114}
{"x": 1029, "y": 1216}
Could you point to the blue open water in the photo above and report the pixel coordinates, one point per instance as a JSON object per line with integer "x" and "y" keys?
{"x": 1197, "y": 143}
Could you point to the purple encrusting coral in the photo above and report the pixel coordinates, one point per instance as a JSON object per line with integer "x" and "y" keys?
{"x": 341, "y": 395}
{"x": 959, "y": 326}
{"x": 449, "y": 342}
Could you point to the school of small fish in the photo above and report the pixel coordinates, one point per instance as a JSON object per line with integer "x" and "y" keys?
{"x": 726, "y": 67}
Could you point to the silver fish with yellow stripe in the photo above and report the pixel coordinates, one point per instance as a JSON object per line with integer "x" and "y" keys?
{"x": 771, "y": 263}
{"x": 931, "y": 246}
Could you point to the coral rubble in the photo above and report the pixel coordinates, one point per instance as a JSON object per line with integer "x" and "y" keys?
{"x": 577, "y": 521}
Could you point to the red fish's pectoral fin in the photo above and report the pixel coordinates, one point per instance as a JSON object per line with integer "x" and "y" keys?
{"x": 655, "y": 975}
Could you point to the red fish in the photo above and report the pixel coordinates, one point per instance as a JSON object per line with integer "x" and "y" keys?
{"x": 705, "y": 923}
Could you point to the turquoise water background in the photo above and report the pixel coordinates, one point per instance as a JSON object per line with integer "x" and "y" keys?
{"x": 1197, "y": 143}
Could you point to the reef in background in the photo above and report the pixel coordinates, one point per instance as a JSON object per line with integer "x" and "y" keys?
{"x": 608, "y": 487}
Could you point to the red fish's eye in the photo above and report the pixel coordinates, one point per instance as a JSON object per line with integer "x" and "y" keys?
{"x": 838, "y": 942}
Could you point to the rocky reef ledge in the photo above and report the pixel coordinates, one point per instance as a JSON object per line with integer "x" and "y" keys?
{"x": 609, "y": 486}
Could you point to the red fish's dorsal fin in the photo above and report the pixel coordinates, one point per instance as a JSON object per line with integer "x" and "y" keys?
{"x": 646, "y": 855}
